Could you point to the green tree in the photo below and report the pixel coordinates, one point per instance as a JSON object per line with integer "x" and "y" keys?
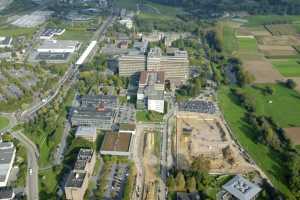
{"x": 290, "y": 83}
{"x": 191, "y": 184}
{"x": 180, "y": 182}
{"x": 171, "y": 183}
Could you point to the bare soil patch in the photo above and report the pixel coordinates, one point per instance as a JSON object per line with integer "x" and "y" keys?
{"x": 293, "y": 134}
{"x": 206, "y": 135}
{"x": 281, "y": 29}
{"x": 262, "y": 70}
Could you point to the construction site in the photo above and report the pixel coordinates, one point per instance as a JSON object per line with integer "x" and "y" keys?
{"x": 205, "y": 135}
{"x": 151, "y": 164}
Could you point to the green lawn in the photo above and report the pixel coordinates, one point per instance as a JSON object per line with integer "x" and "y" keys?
{"x": 3, "y": 122}
{"x": 16, "y": 31}
{"x": 268, "y": 160}
{"x": 230, "y": 43}
{"x": 80, "y": 35}
{"x": 287, "y": 67}
{"x": 285, "y": 106}
{"x": 145, "y": 116}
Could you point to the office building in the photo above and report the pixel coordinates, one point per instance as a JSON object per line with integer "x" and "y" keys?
{"x": 7, "y": 155}
{"x": 58, "y": 46}
{"x": 128, "y": 23}
{"x": 131, "y": 63}
{"x": 99, "y": 117}
{"x": 150, "y": 94}
{"x": 88, "y": 133}
{"x": 176, "y": 67}
{"x": 78, "y": 180}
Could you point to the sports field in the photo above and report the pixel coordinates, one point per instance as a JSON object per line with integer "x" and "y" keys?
{"x": 3, "y": 122}
{"x": 268, "y": 160}
{"x": 287, "y": 67}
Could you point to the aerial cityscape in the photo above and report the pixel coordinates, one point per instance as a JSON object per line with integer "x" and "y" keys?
{"x": 149, "y": 100}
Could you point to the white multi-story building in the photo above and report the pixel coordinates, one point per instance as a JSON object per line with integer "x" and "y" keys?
{"x": 6, "y": 42}
{"x": 7, "y": 157}
{"x": 58, "y": 46}
{"x": 150, "y": 94}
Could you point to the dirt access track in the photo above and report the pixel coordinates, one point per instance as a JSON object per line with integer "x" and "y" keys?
{"x": 202, "y": 134}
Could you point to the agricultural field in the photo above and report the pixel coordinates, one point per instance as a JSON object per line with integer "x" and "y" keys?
{"x": 293, "y": 134}
{"x": 268, "y": 160}
{"x": 275, "y": 51}
{"x": 287, "y": 67}
{"x": 263, "y": 70}
{"x": 258, "y": 20}
{"x": 3, "y": 122}
{"x": 248, "y": 49}
{"x": 281, "y": 29}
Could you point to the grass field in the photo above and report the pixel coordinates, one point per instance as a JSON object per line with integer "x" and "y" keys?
{"x": 3, "y": 122}
{"x": 144, "y": 116}
{"x": 268, "y": 160}
{"x": 285, "y": 106}
{"x": 256, "y": 20}
{"x": 15, "y": 31}
{"x": 287, "y": 67}
{"x": 230, "y": 43}
{"x": 80, "y": 35}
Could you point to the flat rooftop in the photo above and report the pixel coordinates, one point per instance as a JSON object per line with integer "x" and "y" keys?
{"x": 152, "y": 77}
{"x": 84, "y": 156}
{"x": 93, "y": 113}
{"x": 86, "y": 131}
{"x": 241, "y": 188}
{"x": 116, "y": 142}
{"x": 58, "y": 44}
{"x": 106, "y": 100}
{"x": 75, "y": 179}
{"x": 6, "y": 193}
{"x": 7, "y": 150}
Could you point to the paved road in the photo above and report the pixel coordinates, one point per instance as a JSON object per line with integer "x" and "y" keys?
{"x": 32, "y": 166}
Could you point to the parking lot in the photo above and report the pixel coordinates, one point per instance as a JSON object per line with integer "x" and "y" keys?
{"x": 32, "y": 20}
{"x": 198, "y": 106}
{"x": 126, "y": 114}
{"x": 116, "y": 182}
